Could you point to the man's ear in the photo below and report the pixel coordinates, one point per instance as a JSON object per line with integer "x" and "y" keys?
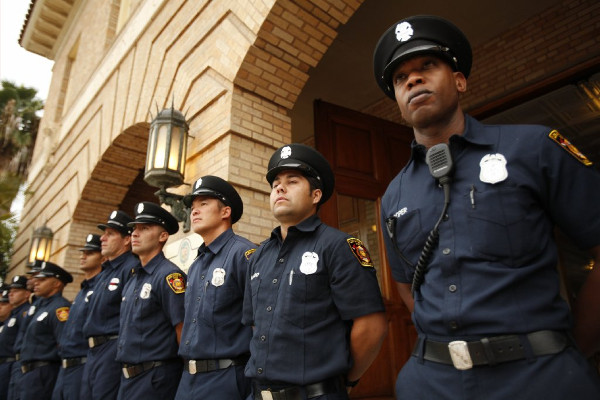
{"x": 316, "y": 196}
{"x": 460, "y": 81}
{"x": 163, "y": 237}
{"x": 225, "y": 212}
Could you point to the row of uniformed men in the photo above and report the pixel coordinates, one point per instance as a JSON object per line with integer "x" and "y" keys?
{"x": 141, "y": 329}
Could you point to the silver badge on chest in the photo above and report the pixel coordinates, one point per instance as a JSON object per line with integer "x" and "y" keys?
{"x": 218, "y": 277}
{"x": 309, "y": 263}
{"x": 145, "y": 292}
{"x": 493, "y": 168}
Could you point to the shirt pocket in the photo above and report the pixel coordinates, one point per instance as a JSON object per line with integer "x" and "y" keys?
{"x": 502, "y": 224}
{"x": 410, "y": 239}
{"x": 217, "y": 308}
{"x": 307, "y": 298}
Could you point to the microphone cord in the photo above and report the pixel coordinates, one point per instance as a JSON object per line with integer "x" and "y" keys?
{"x": 432, "y": 240}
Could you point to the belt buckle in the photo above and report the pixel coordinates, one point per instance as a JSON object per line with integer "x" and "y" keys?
{"x": 91, "y": 342}
{"x": 24, "y": 369}
{"x": 192, "y": 367}
{"x": 126, "y": 373}
{"x": 65, "y": 363}
{"x": 459, "y": 352}
{"x": 266, "y": 395}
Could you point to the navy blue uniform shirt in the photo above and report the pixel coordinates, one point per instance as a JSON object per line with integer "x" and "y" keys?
{"x": 10, "y": 329}
{"x": 105, "y": 303}
{"x": 494, "y": 269}
{"x": 153, "y": 303}
{"x": 303, "y": 294}
{"x": 42, "y": 337}
{"x": 214, "y": 297}
{"x": 73, "y": 342}
{"x": 31, "y": 307}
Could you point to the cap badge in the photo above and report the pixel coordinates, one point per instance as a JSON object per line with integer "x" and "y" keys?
{"x": 44, "y": 265}
{"x": 15, "y": 279}
{"x": 218, "y": 278}
{"x": 286, "y": 152}
{"x": 309, "y": 263}
{"x": 113, "y": 215}
{"x": 198, "y": 183}
{"x": 404, "y": 31}
{"x": 140, "y": 208}
{"x": 145, "y": 292}
{"x": 89, "y": 238}
{"x": 493, "y": 168}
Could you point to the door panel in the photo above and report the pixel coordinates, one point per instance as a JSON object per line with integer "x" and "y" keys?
{"x": 365, "y": 154}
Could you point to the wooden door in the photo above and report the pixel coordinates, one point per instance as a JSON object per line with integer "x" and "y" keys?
{"x": 366, "y": 153}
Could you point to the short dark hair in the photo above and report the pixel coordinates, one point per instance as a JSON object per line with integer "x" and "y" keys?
{"x": 315, "y": 184}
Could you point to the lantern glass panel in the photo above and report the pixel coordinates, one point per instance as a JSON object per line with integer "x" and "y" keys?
{"x": 161, "y": 146}
{"x": 176, "y": 137}
{"x": 34, "y": 246}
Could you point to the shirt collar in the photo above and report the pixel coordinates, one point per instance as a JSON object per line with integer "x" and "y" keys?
{"x": 217, "y": 244}
{"x": 153, "y": 264}
{"x": 114, "y": 264}
{"x": 310, "y": 224}
{"x": 474, "y": 133}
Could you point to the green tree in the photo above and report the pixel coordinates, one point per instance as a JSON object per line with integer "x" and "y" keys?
{"x": 19, "y": 122}
{"x": 9, "y": 186}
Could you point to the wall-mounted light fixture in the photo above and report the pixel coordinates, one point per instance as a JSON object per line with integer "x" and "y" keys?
{"x": 165, "y": 160}
{"x": 41, "y": 245}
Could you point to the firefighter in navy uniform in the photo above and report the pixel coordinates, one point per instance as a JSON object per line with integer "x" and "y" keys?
{"x": 152, "y": 311}
{"x": 18, "y": 294}
{"x": 101, "y": 372}
{"x": 214, "y": 343}
{"x": 485, "y": 296}
{"x": 14, "y": 388}
{"x": 6, "y": 344}
{"x": 312, "y": 297}
{"x": 40, "y": 360}
{"x": 73, "y": 344}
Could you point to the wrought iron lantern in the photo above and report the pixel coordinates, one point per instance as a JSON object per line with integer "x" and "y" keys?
{"x": 41, "y": 245}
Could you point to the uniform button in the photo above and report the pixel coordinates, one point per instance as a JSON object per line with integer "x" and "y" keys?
{"x": 260, "y": 370}
{"x": 452, "y": 288}
{"x": 269, "y": 308}
{"x": 202, "y": 277}
{"x": 198, "y": 298}
{"x": 263, "y": 338}
{"x": 194, "y": 320}
{"x": 281, "y": 260}
{"x": 453, "y": 325}
{"x": 275, "y": 280}
{"x": 446, "y": 251}
{"x": 187, "y": 342}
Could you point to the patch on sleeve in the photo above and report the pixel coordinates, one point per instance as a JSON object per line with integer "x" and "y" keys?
{"x": 248, "y": 253}
{"x": 62, "y": 314}
{"x": 176, "y": 282}
{"x": 360, "y": 251}
{"x": 572, "y": 150}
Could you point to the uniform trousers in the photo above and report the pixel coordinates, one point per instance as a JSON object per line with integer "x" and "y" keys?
{"x": 14, "y": 386}
{"x": 223, "y": 384}
{"x": 565, "y": 375}
{"x": 68, "y": 383}
{"x": 101, "y": 373}
{"x": 158, "y": 383}
{"x": 5, "y": 371}
{"x": 38, "y": 383}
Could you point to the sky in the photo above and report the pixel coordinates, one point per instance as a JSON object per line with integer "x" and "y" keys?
{"x": 17, "y": 64}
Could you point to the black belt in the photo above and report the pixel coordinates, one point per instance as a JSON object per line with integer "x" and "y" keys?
{"x": 30, "y": 366}
{"x": 73, "y": 362}
{"x": 264, "y": 392}
{"x": 133, "y": 370}
{"x": 7, "y": 359}
{"x": 198, "y": 366}
{"x": 94, "y": 341}
{"x": 493, "y": 350}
